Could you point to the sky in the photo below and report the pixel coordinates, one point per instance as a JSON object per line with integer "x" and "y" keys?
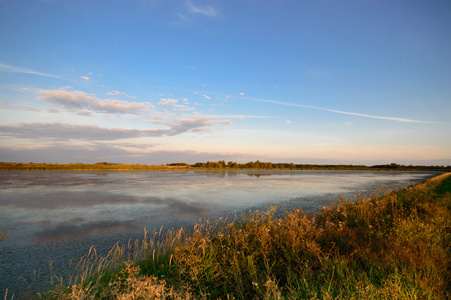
{"x": 166, "y": 81}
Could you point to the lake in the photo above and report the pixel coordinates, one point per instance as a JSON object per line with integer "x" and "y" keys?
{"x": 58, "y": 215}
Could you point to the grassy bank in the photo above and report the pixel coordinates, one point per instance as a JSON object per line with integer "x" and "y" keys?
{"x": 394, "y": 246}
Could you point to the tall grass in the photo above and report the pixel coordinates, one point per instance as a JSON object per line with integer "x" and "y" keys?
{"x": 394, "y": 246}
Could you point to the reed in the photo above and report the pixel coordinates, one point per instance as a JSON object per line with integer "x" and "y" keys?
{"x": 394, "y": 246}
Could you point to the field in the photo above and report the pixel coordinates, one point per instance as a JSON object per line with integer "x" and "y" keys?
{"x": 392, "y": 246}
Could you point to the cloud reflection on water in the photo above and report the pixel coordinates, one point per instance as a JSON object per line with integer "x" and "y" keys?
{"x": 152, "y": 212}
{"x": 86, "y": 199}
{"x": 68, "y": 232}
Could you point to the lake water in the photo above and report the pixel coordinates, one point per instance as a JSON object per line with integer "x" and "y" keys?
{"x": 58, "y": 215}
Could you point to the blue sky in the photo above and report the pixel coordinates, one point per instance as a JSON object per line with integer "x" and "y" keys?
{"x": 154, "y": 82}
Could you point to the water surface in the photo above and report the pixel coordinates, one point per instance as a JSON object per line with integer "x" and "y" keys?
{"x": 59, "y": 215}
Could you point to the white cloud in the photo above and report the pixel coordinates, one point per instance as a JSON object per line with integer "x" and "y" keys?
{"x": 168, "y": 101}
{"x": 13, "y": 69}
{"x": 174, "y": 103}
{"x": 85, "y": 77}
{"x": 80, "y": 100}
{"x": 206, "y": 10}
{"x": 118, "y": 106}
{"x": 115, "y": 93}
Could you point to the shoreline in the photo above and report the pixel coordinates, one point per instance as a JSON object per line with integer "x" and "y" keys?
{"x": 12, "y": 166}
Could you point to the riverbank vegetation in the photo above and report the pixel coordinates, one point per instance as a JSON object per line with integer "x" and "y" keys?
{"x": 219, "y": 165}
{"x": 80, "y": 166}
{"x": 391, "y": 246}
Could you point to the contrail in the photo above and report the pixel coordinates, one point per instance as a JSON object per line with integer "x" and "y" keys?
{"x": 334, "y": 111}
{"x": 13, "y": 69}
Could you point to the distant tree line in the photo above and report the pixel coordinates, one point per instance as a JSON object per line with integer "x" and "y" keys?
{"x": 291, "y": 166}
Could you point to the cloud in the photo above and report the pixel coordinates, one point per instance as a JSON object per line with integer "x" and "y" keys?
{"x": 66, "y": 131}
{"x": 206, "y": 10}
{"x": 174, "y": 103}
{"x": 83, "y": 101}
{"x": 168, "y": 101}
{"x": 23, "y": 89}
{"x": 336, "y": 111}
{"x": 85, "y": 77}
{"x": 195, "y": 125}
{"x": 118, "y": 106}
{"x": 116, "y": 93}
{"x": 13, "y": 69}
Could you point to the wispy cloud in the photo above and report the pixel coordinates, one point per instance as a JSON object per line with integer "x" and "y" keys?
{"x": 65, "y": 131}
{"x": 80, "y": 100}
{"x": 174, "y": 103}
{"x": 69, "y": 132}
{"x": 14, "y": 69}
{"x": 204, "y": 10}
{"x": 336, "y": 111}
{"x": 202, "y": 124}
{"x": 116, "y": 93}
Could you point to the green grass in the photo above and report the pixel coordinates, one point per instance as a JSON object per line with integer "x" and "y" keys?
{"x": 394, "y": 246}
